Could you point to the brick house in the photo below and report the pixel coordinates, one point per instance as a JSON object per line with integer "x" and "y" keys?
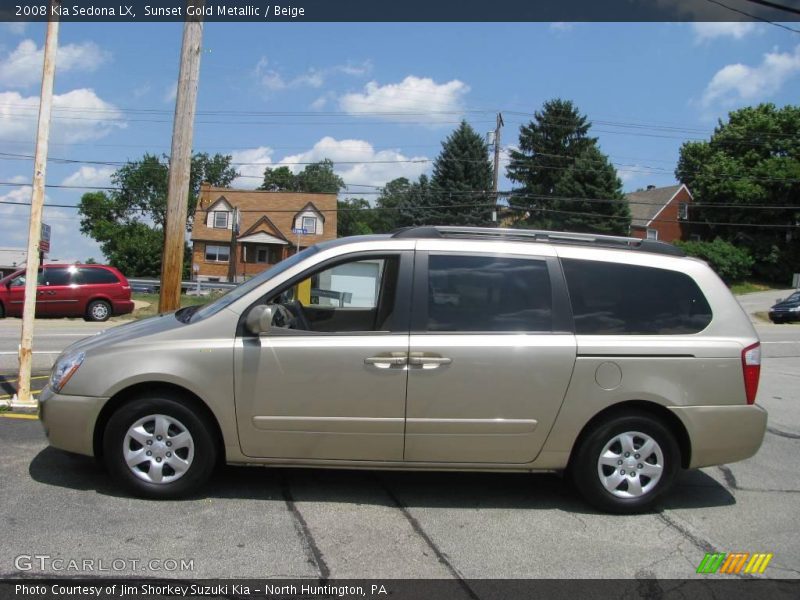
{"x": 660, "y": 213}
{"x": 265, "y": 229}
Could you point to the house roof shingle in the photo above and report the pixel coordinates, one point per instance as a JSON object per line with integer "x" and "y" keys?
{"x": 281, "y": 208}
{"x": 645, "y": 204}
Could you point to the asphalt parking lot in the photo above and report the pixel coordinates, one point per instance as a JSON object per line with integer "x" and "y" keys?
{"x": 264, "y": 523}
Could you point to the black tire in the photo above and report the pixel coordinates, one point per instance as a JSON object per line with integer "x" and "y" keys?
{"x": 98, "y": 311}
{"x": 585, "y": 468}
{"x": 201, "y": 459}
{"x": 2, "y": 311}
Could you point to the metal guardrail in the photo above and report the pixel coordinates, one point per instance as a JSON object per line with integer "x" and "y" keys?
{"x": 155, "y": 285}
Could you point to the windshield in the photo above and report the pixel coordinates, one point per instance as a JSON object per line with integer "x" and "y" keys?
{"x": 249, "y": 285}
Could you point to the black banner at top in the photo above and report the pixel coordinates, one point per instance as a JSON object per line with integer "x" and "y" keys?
{"x": 146, "y": 11}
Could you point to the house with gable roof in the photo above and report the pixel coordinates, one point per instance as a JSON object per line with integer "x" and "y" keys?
{"x": 660, "y": 213}
{"x": 239, "y": 233}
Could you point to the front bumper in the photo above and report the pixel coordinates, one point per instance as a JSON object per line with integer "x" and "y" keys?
{"x": 69, "y": 421}
{"x": 722, "y": 434}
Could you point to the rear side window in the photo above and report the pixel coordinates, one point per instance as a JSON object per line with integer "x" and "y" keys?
{"x": 488, "y": 293}
{"x": 97, "y": 276}
{"x": 613, "y": 298}
{"x": 57, "y": 277}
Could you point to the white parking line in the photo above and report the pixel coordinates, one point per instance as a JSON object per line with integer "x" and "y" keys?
{"x": 783, "y": 342}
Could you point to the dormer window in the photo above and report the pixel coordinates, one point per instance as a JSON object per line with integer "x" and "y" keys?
{"x": 220, "y": 219}
{"x": 310, "y": 225}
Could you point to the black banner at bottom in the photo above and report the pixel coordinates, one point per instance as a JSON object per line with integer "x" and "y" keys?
{"x": 705, "y": 587}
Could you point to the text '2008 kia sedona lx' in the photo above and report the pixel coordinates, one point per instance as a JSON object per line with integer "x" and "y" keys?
{"x": 616, "y": 360}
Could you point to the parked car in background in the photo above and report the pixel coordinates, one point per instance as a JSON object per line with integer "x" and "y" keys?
{"x": 94, "y": 292}
{"x": 787, "y": 310}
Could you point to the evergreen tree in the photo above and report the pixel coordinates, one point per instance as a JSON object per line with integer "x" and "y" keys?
{"x": 460, "y": 191}
{"x": 558, "y": 164}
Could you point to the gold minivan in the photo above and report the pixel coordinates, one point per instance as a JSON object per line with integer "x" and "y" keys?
{"x": 616, "y": 360}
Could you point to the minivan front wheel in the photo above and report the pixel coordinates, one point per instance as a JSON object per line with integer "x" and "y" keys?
{"x": 625, "y": 463}
{"x": 98, "y": 310}
{"x": 159, "y": 448}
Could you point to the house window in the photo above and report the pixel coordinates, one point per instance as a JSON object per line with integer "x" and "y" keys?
{"x": 652, "y": 234}
{"x": 217, "y": 253}
{"x": 683, "y": 211}
{"x": 261, "y": 255}
{"x": 220, "y": 219}
{"x": 310, "y": 224}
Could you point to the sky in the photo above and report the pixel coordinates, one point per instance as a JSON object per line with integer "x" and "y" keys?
{"x": 376, "y": 98}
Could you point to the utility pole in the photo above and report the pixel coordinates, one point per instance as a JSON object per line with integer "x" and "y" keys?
{"x": 180, "y": 163}
{"x": 23, "y": 396}
{"x": 232, "y": 255}
{"x": 496, "y": 174}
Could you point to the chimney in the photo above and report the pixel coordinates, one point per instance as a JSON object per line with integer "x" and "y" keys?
{"x": 651, "y": 187}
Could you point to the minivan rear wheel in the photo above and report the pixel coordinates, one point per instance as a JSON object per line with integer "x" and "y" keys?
{"x": 98, "y": 310}
{"x": 159, "y": 448}
{"x": 625, "y": 463}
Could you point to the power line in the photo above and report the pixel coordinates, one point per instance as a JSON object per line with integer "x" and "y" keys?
{"x": 755, "y": 17}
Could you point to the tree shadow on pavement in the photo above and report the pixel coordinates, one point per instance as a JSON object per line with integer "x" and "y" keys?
{"x": 694, "y": 489}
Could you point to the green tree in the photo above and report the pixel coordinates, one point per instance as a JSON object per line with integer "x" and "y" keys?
{"x": 750, "y": 161}
{"x": 128, "y": 222}
{"x": 461, "y": 184}
{"x": 279, "y": 180}
{"x": 318, "y": 177}
{"x": 354, "y": 217}
{"x": 564, "y": 179}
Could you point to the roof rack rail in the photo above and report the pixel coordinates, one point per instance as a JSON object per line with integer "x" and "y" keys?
{"x": 537, "y": 235}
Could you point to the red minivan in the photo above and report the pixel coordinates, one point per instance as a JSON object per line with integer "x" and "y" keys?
{"x": 94, "y": 292}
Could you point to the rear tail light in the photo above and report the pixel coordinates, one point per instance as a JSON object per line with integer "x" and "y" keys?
{"x": 751, "y": 368}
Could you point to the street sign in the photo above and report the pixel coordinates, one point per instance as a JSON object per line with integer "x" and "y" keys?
{"x": 44, "y": 238}
{"x": 300, "y": 230}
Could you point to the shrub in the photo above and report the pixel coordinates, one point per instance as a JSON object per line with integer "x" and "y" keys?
{"x": 730, "y": 263}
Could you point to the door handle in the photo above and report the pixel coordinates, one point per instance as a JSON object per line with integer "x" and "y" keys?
{"x": 386, "y": 361}
{"x": 429, "y": 362}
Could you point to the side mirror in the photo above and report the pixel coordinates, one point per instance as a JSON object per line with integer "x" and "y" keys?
{"x": 778, "y": 300}
{"x": 259, "y": 319}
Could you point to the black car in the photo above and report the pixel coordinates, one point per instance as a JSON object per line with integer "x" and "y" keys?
{"x": 787, "y": 310}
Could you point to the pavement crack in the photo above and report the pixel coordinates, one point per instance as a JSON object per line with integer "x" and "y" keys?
{"x": 684, "y": 531}
{"x": 783, "y": 434}
{"x": 441, "y": 556}
{"x": 313, "y": 552}
{"x": 730, "y": 478}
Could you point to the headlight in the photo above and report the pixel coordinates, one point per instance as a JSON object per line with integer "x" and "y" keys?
{"x": 64, "y": 369}
{"x": 795, "y": 309}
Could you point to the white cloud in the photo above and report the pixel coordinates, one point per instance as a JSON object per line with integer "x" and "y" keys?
{"x": 79, "y": 115}
{"x": 90, "y": 177}
{"x": 16, "y": 28}
{"x": 22, "y": 67}
{"x": 740, "y": 82}
{"x": 704, "y": 32}
{"x": 319, "y": 103}
{"x": 67, "y": 241}
{"x": 250, "y": 164}
{"x": 377, "y": 168}
{"x": 440, "y": 102}
{"x": 273, "y": 80}
{"x": 171, "y": 92}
